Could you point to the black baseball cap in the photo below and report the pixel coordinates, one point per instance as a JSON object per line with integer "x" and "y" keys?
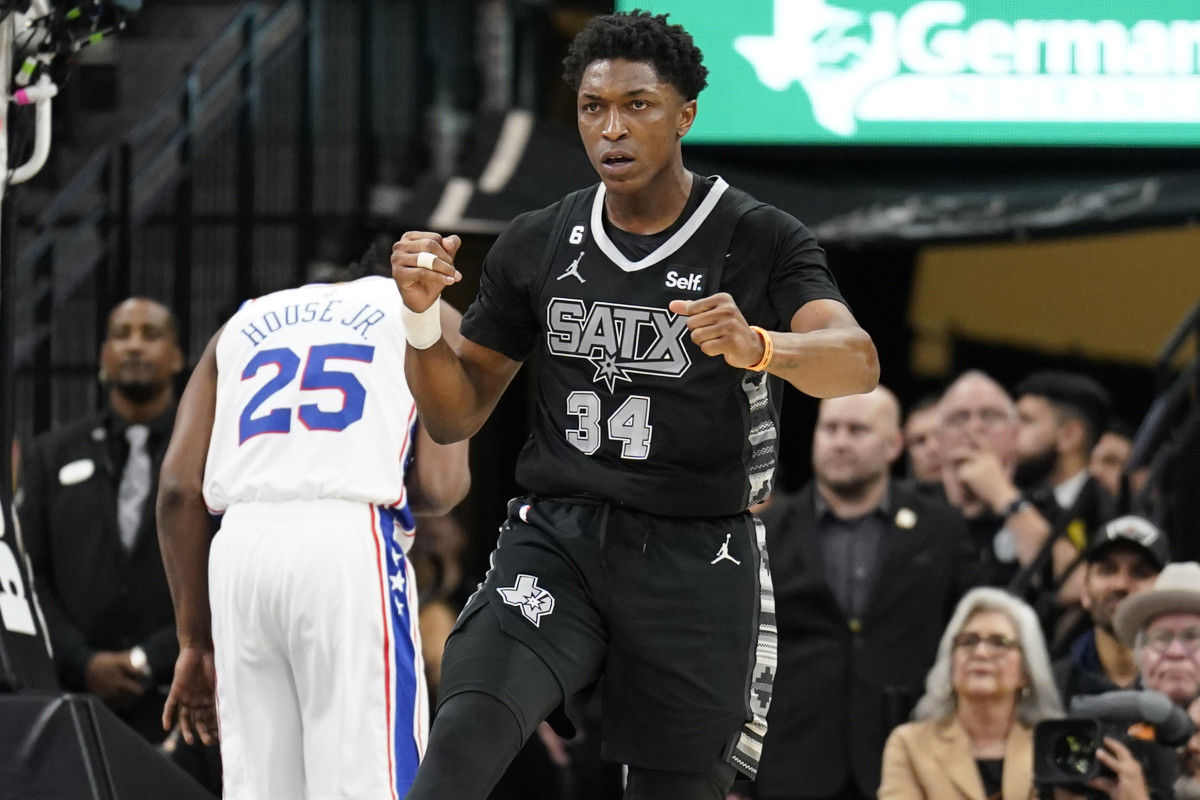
{"x": 1132, "y": 530}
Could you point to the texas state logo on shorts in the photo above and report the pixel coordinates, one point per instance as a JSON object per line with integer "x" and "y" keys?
{"x": 534, "y": 601}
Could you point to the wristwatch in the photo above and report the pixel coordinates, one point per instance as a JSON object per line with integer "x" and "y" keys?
{"x": 138, "y": 660}
{"x": 1017, "y": 506}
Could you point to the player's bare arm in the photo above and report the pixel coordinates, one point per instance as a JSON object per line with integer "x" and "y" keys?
{"x": 440, "y": 476}
{"x": 183, "y": 535}
{"x": 456, "y": 386}
{"x": 826, "y": 354}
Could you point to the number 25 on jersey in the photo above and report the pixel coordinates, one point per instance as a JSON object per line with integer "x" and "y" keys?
{"x": 317, "y": 374}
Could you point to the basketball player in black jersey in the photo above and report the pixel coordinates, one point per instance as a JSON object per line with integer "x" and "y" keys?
{"x": 668, "y": 308}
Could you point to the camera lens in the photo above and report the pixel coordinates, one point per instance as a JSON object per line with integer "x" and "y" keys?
{"x": 1074, "y": 754}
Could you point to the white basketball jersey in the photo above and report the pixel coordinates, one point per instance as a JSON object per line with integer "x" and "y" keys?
{"x": 311, "y": 398}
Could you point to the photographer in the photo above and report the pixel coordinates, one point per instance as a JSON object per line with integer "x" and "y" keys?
{"x": 1120, "y": 745}
{"x": 1129, "y": 783}
{"x": 1163, "y": 626}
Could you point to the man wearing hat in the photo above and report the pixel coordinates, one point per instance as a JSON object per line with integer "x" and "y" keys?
{"x": 1162, "y": 624}
{"x": 1123, "y": 559}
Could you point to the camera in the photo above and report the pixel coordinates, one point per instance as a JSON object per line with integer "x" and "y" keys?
{"x": 1147, "y": 722}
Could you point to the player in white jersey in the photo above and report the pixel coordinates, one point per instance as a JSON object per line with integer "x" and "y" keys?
{"x": 297, "y": 425}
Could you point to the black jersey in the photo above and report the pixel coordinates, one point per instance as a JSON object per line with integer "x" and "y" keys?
{"x": 628, "y": 408}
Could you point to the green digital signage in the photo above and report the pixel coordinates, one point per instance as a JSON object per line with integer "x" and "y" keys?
{"x": 1099, "y": 73}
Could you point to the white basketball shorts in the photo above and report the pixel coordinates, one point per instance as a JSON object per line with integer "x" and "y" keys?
{"x": 320, "y": 683}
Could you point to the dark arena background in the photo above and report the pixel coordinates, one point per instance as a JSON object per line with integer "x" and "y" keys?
{"x": 1029, "y": 206}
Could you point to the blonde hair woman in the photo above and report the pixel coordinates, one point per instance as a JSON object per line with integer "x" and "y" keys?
{"x": 972, "y": 738}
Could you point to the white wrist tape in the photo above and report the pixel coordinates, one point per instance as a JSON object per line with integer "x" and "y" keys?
{"x": 423, "y": 329}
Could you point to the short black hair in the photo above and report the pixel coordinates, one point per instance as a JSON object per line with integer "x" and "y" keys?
{"x": 375, "y": 260}
{"x": 1121, "y": 428}
{"x": 924, "y": 404}
{"x": 1074, "y": 395}
{"x": 639, "y": 36}
{"x": 172, "y": 322}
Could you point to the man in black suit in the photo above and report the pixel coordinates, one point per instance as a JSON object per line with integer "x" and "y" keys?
{"x": 87, "y": 514}
{"x": 866, "y": 574}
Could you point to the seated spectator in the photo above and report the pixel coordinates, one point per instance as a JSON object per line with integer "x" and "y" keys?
{"x": 1061, "y": 416}
{"x": 977, "y": 431}
{"x": 1163, "y": 626}
{"x": 921, "y": 442}
{"x": 973, "y": 734}
{"x": 1108, "y": 457}
{"x": 1124, "y": 558}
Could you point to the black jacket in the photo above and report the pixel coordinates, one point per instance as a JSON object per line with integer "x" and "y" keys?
{"x": 95, "y": 595}
{"x": 1080, "y": 673}
{"x": 844, "y": 684}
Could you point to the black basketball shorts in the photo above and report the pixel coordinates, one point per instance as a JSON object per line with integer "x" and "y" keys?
{"x": 676, "y": 613}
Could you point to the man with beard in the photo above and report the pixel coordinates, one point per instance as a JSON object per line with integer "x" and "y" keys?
{"x": 87, "y": 511}
{"x": 866, "y": 572}
{"x": 1060, "y": 417}
{"x": 1124, "y": 558}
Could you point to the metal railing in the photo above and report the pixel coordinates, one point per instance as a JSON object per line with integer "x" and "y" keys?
{"x": 176, "y": 209}
{"x": 1177, "y": 381}
{"x": 265, "y": 159}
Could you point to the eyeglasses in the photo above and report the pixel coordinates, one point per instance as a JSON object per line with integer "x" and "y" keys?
{"x": 995, "y": 645}
{"x": 1160, "y": 640}
{"x": 988, "y": 416}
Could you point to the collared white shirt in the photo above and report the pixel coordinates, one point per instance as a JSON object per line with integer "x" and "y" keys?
{"x": 1067, "y": 492}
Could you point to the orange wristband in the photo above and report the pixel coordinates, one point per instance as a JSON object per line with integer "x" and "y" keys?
{"x": 768, "y": 349}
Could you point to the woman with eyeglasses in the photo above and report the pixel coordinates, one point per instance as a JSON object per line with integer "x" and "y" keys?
{"x": 972, "y": 738}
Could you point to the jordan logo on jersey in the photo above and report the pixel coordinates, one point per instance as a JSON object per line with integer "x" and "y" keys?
{"x": 572, "y": 270}
{"x": 534, "y": 601}
{"x": 618, "y": 340}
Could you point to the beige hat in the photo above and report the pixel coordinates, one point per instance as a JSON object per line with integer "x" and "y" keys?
{"x": 1177, "y": 590}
